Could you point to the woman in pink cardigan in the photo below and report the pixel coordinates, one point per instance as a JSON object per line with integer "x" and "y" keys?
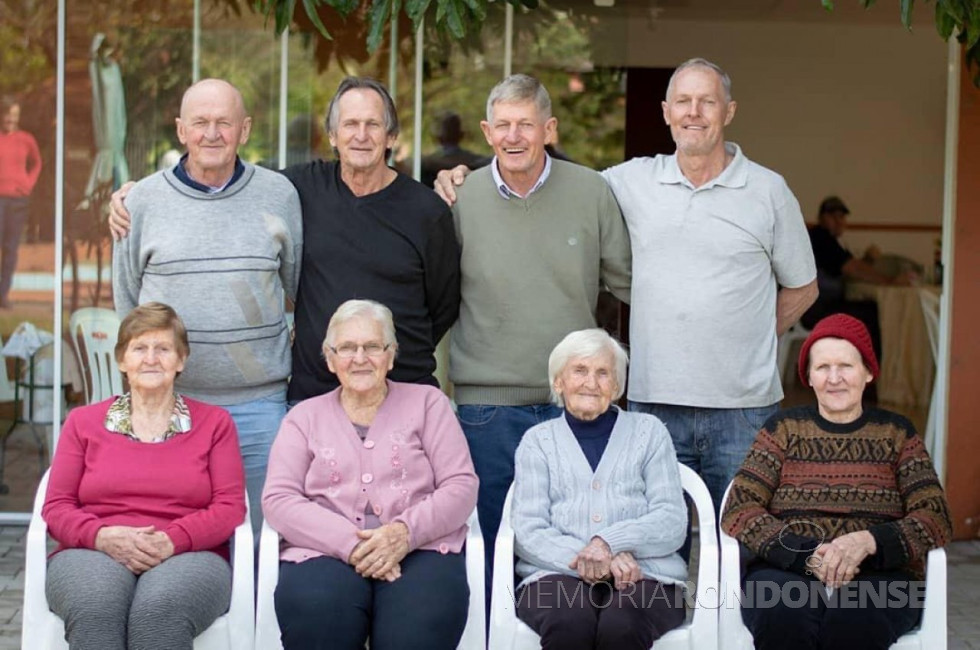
{"x": 145, "y": 491}
{"x": 370, "y": 487}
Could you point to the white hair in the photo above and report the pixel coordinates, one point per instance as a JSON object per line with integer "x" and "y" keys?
{"x": 585, "y": 344}
{"x": 361, "y": 308}
{"x": 518, "y": 88}
{"x": 698, "y": 62}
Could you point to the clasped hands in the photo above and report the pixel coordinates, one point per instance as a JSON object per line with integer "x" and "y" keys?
{"x": 379, "y": 553}
{"x": 836, "y": 563}
{"x": 137, "y": 549}
{"x": 596, "y": 563}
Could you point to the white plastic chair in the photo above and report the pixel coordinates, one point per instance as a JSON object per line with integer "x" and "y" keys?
{"x": 783, "y": 348}
{"x": 43, "y": 630}
{"x": 93, "y": 335}
{"x": 7, "y": 392}
{"x": 507, "y": 632}
{"x": 267, "y": 635}
{"x": 930, "y": 311}
{"x": 930, "y": 635}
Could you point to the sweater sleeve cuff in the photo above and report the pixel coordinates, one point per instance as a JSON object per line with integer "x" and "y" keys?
{"x": 790, "y": 552}
{"x": 179, "y": 538}
{"x": 890, "y": 552}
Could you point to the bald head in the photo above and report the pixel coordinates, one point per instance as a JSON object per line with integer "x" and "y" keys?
{"x": 213, "y": 90}
{"x": 212, "y": 125}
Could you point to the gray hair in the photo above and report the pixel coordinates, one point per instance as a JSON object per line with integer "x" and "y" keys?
{"x": 584, "y": 344}
{"x": 698, "y": 62}
{"x": 362, "y": 83}
{"x": 520, "y": 88}
{"x": 361, "y": 309}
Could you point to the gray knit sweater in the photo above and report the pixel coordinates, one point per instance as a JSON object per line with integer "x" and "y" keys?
{"x": 634, "y": 500}
{"x": 222, "y": 261}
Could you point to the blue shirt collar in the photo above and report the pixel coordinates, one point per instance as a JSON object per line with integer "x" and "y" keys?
{"x": 506, "y": 191}
{"x": 181, "y": 173}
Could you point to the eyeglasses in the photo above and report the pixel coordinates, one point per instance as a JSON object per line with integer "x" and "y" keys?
{"x": 349, "y": 350}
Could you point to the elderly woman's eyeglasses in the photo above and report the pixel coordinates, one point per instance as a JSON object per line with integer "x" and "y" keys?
{"x": 349, "y": 350}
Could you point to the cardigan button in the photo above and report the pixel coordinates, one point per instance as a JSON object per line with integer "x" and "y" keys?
{"x": 595, "y": 485}
{"x": 444, "y": 548}
{"x": 369, "y": 444}
{"x": 376, "y": 509}
{"x": 597, "y": 517}
{"x": 367, "y": 478}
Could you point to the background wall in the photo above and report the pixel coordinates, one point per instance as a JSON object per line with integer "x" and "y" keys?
{"x": 856, "y": 110}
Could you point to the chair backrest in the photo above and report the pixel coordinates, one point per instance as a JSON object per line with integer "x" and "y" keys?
{"x": 930, "y": 311}
{"x": 6, "y": 385}
{"x": 93, "y": 334}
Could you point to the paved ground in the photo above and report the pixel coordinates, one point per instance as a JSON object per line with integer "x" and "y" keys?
{"x": 964, "y": 591}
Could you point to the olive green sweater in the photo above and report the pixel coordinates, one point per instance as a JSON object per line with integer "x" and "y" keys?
{"x": 531, "y": 273}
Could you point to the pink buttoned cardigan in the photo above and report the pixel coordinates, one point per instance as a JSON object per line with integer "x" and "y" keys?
{"x": 413, "y": 466}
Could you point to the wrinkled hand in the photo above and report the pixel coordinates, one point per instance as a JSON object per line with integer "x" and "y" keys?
{"x": 122, "y": 544}
{"x": 447, "y": 180}
{"x": 157, "y": 544}
{"x": 625, "y": 571}
{"x": 840, "y": 559}
{"x": 118, "y": 214}
{"x": 592, "y": 562}
{"x": 381, "y": 551}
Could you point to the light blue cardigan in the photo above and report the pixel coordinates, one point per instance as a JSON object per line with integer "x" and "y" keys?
{"x": 633, "y": 501}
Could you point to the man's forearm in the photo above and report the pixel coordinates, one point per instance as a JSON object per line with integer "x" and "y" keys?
{"x": 792, "y": 303}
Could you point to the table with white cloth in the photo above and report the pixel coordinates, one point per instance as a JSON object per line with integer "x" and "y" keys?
{"x": 907, "y": 367}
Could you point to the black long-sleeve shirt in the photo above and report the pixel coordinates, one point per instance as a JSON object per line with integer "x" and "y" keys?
{"x": 396, "y": 246}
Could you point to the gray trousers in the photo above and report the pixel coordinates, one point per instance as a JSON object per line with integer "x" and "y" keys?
{"x": 106, "y": 607}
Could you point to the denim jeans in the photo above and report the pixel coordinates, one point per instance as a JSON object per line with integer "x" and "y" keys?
{"x": 712, "y": 442}
{"x": 258, "y": 423}
{"x": 13, "y": 216}
{"x": 493, "y": 433}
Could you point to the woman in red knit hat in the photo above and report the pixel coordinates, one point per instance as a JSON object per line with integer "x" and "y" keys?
{"x": 840, "y": 504}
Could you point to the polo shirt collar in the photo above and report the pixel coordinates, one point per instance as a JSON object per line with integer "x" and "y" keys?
{"x": 734, "y": 175}
{"x": 505, "y": 190}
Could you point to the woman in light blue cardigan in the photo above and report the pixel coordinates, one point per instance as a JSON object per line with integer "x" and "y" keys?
{"x": 598, "y": 511}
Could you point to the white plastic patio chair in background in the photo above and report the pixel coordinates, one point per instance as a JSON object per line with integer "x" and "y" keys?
{"x": 94, "y": 332}
{"x": 43, "y": 630}
{"x": 267, "y": 636}
{"x": 507, "y": 632}
{"x": 784, "y": 346}
{"x": 930, "y": 635}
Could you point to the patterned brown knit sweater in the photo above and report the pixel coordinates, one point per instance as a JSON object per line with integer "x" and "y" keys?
{"x": 807, "y": 480}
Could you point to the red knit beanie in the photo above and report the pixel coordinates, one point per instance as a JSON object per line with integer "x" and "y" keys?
{"x": 840, "y": 326}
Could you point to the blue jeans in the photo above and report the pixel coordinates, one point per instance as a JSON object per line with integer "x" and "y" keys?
{"x": 258, "y": 423}
{"x": 712, "y": 442}
{"x": 323, "y": 603}
{"x": 13, "y": 216}
{"x": 493, "y": 433}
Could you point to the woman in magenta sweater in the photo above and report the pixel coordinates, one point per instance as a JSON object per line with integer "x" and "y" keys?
{"x": 144, "y": 493}
{"x": 20, "y": 166}
{"x": 370, "y": 487}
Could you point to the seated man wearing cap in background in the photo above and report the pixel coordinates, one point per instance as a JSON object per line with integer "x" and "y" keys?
{"x": 835, "y": 264}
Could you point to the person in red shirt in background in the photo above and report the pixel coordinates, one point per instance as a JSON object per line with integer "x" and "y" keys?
{"x": 20, "y": 165}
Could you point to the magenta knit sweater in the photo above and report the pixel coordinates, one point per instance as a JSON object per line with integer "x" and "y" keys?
{"x": 192, "y": 486}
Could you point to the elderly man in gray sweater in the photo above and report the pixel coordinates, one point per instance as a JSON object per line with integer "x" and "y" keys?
{"x": 220, "y": 241}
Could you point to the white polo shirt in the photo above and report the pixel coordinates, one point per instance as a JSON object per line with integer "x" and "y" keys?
{"x": 707, "y": 263}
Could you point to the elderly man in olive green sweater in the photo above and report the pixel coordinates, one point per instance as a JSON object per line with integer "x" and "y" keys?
{"x": 540, "y": 237}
